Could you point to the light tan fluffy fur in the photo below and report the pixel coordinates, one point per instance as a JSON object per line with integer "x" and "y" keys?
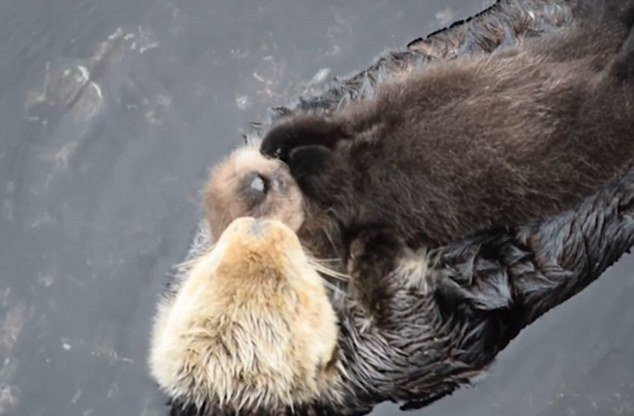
{"x": 224, "y": 199}
{"x": 250, "y": 326}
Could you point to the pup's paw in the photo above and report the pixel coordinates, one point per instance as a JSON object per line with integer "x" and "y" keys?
{"x": 373, "y": 253}
{"x": 309, "y": 166}
{"x": 300, "y": 131}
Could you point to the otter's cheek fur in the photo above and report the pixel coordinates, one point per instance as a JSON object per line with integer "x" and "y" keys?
{"x": 251, "y": 326}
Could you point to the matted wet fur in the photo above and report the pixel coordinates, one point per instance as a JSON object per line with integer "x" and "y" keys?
{"x": 469, "y": 144}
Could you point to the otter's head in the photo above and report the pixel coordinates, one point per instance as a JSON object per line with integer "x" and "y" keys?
{"x": 250, "y": 328}
{"x": 249, "y": 184}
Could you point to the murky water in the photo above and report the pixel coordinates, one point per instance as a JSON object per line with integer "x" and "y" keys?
{"x": 110, "y": 114}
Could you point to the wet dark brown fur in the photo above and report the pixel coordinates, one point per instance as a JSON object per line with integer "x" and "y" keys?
{"x": 470, "y": 144}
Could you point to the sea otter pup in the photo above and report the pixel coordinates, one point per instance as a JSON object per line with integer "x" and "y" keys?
{"x": 478, "y": 142}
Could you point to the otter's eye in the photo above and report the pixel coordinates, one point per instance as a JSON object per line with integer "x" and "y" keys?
{"x": 255, "y": 187}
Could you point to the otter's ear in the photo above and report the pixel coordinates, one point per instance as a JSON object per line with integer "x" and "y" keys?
{"x": 300, "y": 131}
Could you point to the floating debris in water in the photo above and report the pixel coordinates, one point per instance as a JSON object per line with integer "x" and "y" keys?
{"x": 62, "y": 156}
{"x": 243, "y": 102}
{"x": 74, "y": 85}
{"x": 8, "y": 399}
{"x": 76, "y": 396}
{"x": 146, "y": 41}
{"x": 11, "y": 327}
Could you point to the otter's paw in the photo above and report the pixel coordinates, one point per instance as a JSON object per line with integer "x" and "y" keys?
{"x": 309, "y": 166}
{"x": 372, "y": 257}
{"x": 300, "y": 131}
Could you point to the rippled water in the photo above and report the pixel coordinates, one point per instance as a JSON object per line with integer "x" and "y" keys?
{"x": 110, "y": 114}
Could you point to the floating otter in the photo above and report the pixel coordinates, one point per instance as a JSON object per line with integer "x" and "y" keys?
{"x": 249, "y": 327}
{"x": 473, "y": 143}
{"x": 440, "y": 321}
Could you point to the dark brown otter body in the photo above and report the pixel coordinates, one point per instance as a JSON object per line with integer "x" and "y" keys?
{"x": 470, "y": 144}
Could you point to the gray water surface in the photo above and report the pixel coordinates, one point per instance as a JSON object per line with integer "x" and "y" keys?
{"x": 111, "y": 112}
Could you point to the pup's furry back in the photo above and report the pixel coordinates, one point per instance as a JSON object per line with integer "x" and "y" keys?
{"x": 473, "y": 143}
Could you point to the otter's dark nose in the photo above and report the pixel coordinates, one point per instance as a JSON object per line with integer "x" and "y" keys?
{"x": 255, "y": 187}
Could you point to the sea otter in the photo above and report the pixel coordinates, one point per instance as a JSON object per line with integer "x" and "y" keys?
{"x": 473, "y": 143}
{"x": 251, "y": 328}
{"x": 441, "y": 318}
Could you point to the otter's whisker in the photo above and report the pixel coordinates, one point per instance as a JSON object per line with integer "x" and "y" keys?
{"x": 326, "y": 260}
{"x": 187, "y": 264}
{"x": 331, "y": 273}
{"x": 334, "y": 288}
{"x": 325, "y": 270}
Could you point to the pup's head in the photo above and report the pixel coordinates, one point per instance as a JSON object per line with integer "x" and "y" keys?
{"x": 250, "y": 328}
{"x": 249, "y": 184}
